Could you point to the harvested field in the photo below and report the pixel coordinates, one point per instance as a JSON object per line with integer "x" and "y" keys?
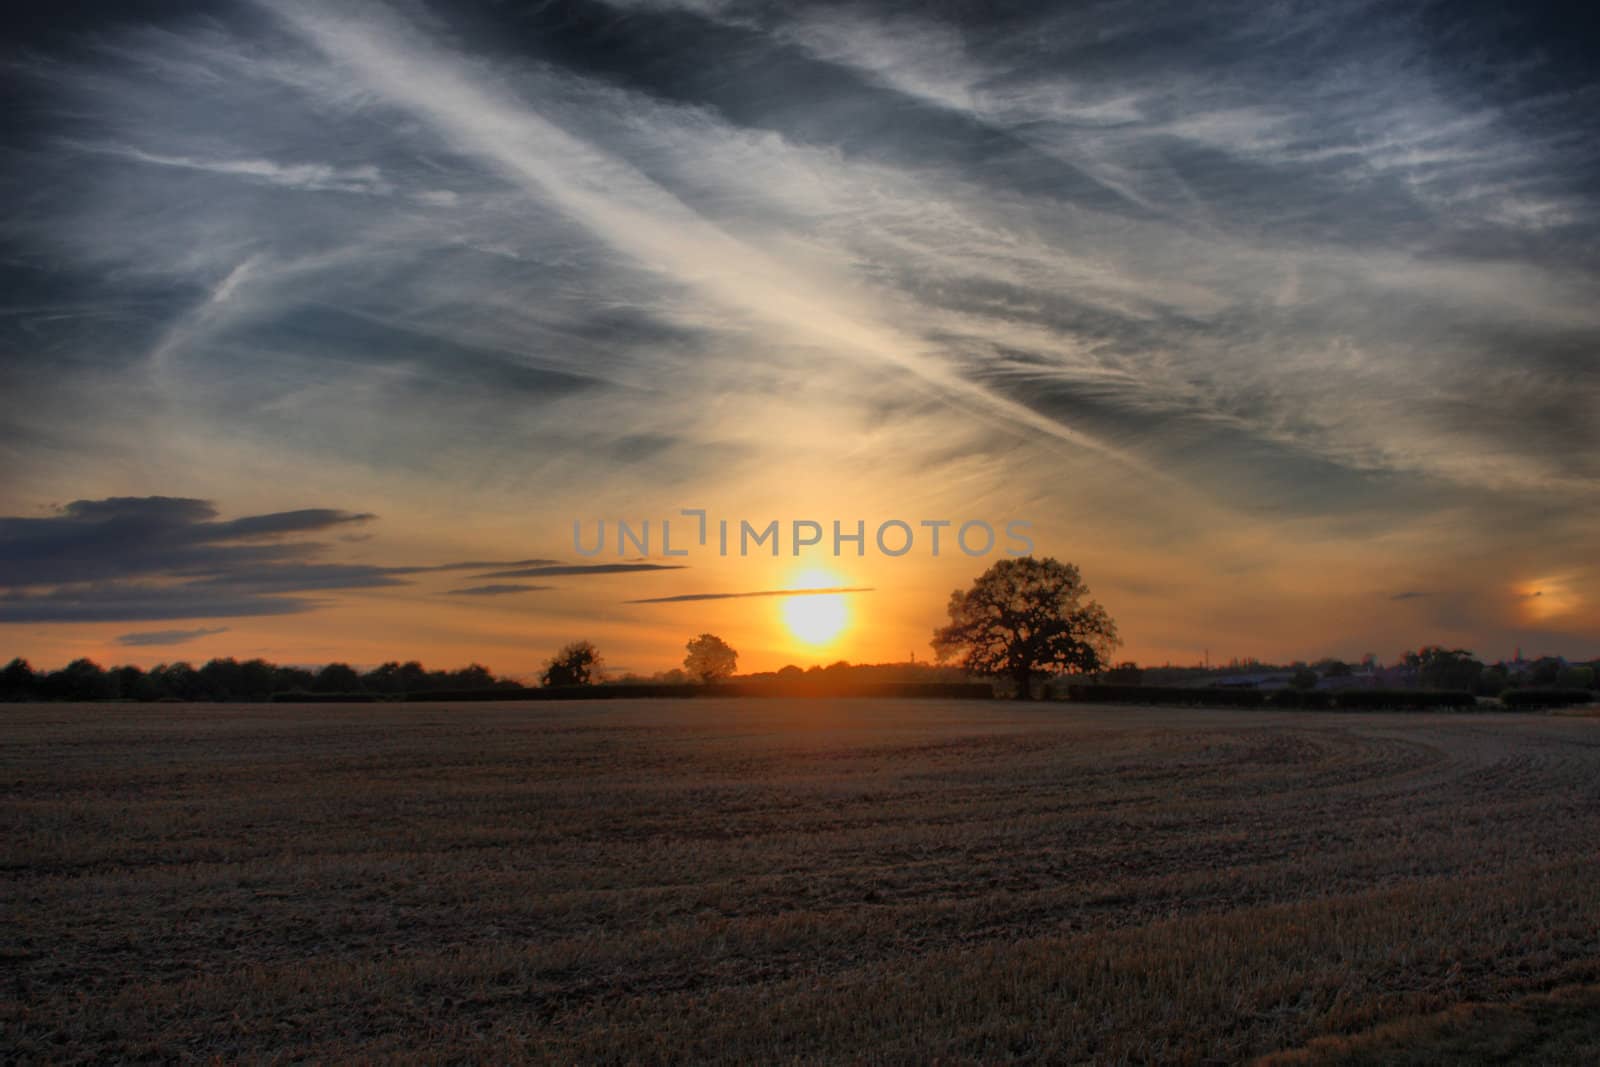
{"x": 794, "y": 880}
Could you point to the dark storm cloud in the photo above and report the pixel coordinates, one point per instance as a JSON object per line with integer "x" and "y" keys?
{"x": 305, "y": 577}
{"x": 129, "y": 537}
{"x": 139, "y": 602}
{"x": 686, "y": 598}
{"x": 284, "y": 522}
{"x": 146, "y": 558}
{"x": 131, "y": 558}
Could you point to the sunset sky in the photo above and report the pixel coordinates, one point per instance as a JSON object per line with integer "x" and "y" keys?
{"x": 1279, "y": 320}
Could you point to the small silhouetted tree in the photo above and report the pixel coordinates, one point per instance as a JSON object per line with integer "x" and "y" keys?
{"x": 337, "y": 678}
{"x": 17, "y": 680}
{"x": 82, "y": 679}
{"x": 414, "y": 677}
{"x": 129, "y": 683}
{"x": 710, "y": 659}
{"x": 1441, "y": 668}
{"x": 1544, "y": 671}
{"x": 1575, "y": 678}
{"x": 175, "y": 681}
{"x": 1023, "y": 617}
{"x": 221, "y": 679}
{"x": 472, "y": 676}
{"x": 383, "y": 679}
{"x": 576, "y": 664}
{"x": 257, "y": 680}
{"x": 1303, "y": 678}
{"x": 292, "y": 679}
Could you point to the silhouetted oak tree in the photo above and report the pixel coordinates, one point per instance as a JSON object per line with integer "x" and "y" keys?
{"x": 1441, "y": 668}
{"x": 1024, "y": 617}
{"x": 576, "y": 664}
{"x": 710, "y": 659}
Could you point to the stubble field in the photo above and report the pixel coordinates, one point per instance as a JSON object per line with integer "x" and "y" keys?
{"x": 796, "y": 881}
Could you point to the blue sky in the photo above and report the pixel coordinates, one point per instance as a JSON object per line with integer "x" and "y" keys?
{"x": 1280, "y": 320}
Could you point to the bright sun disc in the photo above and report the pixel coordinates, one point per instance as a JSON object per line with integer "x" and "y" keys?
{"x": 815, "y": 618}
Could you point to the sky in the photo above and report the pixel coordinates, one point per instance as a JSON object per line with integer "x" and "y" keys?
{"x": 322, "y": 323}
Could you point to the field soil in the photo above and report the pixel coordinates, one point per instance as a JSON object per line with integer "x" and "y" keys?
{"x": 892, "y": 881}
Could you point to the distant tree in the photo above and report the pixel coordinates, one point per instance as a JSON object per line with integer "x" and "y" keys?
{"x": 221, "y": 679}
{"x": 292, "y": 679}
{"x": 576, "y": 664}
{"x": 1575, "y": 678}
{"x": 1544, "y": 671}
{"x": 1335, "y": 668}
{"x": 472, "y": 676}
{"x": 1303, "y": 678}
{"x": 710, "y": 659}
{"x": 82, "y": 679}
{"x": 1493, "y": 681}
{"x": 17, "y": 680}
{"x": 414, "y": 677}
{"x": 52, "y": 685}
{"x": 790, "y": 672}
{"x": 257, "y": 679}
{"x": 383, "y": 679}
{"x": 1023, "y": 617}
{"x": 128, "y": 683}
{"x": 1441, "y": 668}
{"x": 337, "y": 678}
{"x": 175, "y": 681}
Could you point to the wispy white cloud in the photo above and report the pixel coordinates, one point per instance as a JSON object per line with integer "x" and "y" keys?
{"x": 366, "y": 179}
{"x": 635, "y": 215}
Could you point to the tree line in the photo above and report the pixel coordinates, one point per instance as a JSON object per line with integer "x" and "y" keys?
{"x": 709, "y": 659}
{"x": 230, "y": 679}
{"x": 1022, "y": 621}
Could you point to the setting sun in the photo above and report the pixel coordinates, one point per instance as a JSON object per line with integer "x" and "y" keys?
{"x": 815, "y": 618}
{"x": 1546, "y": 598}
